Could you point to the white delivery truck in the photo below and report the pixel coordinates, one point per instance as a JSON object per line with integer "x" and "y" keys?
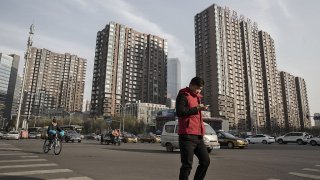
{"x": 170, "y": 137}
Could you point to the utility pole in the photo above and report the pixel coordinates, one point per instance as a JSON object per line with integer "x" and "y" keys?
{"x": 26, "y": 63}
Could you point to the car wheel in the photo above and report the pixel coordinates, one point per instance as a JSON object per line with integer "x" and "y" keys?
{"x": 280, "y": 141}
{"x": 169, "y": 147}
{"x": 313, "y": 143}
{"x": 230, "y": 145}
{"x": 264, "y": 142}
{"x": 300, "y": 142}
{"x": 79, "y": 141}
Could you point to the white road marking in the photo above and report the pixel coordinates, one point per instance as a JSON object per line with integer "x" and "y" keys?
{"x": 10, "y": 154}
{"x": 29, "y": 156}
{"x": 308, "y": 169}
{"x": 10, "y": 149}
{"x": 305, "y": 175}
{"x": 28, "y": 165}
{"x": 73, "y": 178}
{"x": 22, "y": 173}
{"x": 22, "y": 160}
{"x": 318, "y": 165}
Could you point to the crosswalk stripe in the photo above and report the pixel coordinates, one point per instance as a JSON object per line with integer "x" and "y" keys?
{"x": 22, "y": 173}
{"x": 305, "y": 175}
{"x": 28, "y": 165}
{"x": 22, "y": 160}
{"x": 308, "y": 169}
{"x": 73, "y": 178}
{"x": 10, "y": 154}
{"x": 29, "y": 156}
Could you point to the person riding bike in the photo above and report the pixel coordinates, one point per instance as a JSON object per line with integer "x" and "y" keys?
{"x": 116, "y": 135}
{"x": 52, "y": 130}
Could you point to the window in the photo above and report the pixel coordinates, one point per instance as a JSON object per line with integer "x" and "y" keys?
{"x": 169, "y": 128}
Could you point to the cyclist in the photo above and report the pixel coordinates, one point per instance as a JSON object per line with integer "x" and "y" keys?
{"x": 52, "y": 130}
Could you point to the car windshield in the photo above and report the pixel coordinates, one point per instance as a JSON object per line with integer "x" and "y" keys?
{"x": 228, "y": 135}
{"x": 209, "y": 130}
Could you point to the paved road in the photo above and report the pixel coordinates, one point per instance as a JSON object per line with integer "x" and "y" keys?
{"x": 24, "y": 159}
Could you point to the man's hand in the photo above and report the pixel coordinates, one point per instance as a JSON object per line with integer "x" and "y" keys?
{"x": 202, "y": 107}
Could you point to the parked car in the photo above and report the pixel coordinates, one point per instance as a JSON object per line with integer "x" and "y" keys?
{"x": 12, "y": 135}
{"x": 260, "y": 138}
{"x": 72, "y": 135}
{"x": 294, "y": 137}
{"x": 314, "y": 141}
{"x": 128, "y": 137}
{"x": 34, "y": 135}
{"x": 150, "y": 138}
{"x": 229, "y": 140}
{"x": 170, "y": 137}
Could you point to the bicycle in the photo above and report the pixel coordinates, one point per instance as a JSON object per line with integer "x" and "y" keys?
{"x": 56, "y": 145}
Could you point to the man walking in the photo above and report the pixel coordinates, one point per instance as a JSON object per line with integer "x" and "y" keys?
{"x": 191, "y": 130}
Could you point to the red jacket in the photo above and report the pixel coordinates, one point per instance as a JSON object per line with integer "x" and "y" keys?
{"x": 190, "y": 120}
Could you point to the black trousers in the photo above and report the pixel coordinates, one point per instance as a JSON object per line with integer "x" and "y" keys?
{"x": 190, "y": 145}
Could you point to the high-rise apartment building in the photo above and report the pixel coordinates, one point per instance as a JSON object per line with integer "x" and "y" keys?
{"x": 219, "y": 62}
{"x": 290, "y": 101}
{"x": 303, "y": 103}
{"x": 129, "y": 66}
{"x": 271, "y": 83}
{"x": 16, "y": 97}
{"x": 53, "y": 81}
{"x": 242, "y": 83}
{"x": 173, "y": 77}
{"x": 252, "y": 75}
{"x": 9, "y": 65}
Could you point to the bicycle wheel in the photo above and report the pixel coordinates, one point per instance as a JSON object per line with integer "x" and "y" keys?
{"x": 46, "y": 146}
{"x": 57, "y": 147}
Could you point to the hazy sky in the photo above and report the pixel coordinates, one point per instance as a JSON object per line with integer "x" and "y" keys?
{"x": 71, "y": 26}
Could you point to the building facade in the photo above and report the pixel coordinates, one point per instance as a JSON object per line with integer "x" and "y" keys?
{"x": 271, "y": 83}
{"x": 145, "y": 112}
{"x": 242, "y": 83}
{"x": 174, "y": 77}
{"x": 129, "y": 66}
{"x": 290, "y": 101}
{"x": 303, "y": 103}
{"x": 53, "y": 81}
{"x": 252, "y": 75}
{"x": 219, "y": 62}
{"x": 9, "y": 65}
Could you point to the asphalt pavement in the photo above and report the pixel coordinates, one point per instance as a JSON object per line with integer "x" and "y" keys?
{"x": 24, "y": 159}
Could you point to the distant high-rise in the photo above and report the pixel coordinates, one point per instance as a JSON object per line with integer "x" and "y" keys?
{"x": 16, "y": 97}
{"x": 129, "y": 66}
{"x": 9, "y": 65}
{"x": 173, "y": 77}
{"x": 242, "y": 83}
{"x": 290, "y": 101}
{"x": 303, "y": 103}
{"x": 53, "y": 81}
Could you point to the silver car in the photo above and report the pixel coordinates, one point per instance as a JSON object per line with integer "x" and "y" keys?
{"x": 293, "y": 137}
{"x": 261, "y": 138}
{"x": 314, "y": 141}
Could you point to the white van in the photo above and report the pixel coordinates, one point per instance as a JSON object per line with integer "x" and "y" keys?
{"x": 170, "y": 137}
